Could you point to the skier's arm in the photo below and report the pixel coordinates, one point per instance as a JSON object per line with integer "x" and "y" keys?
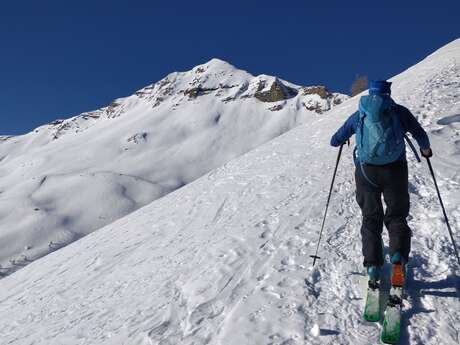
{"x": 346, "y": 131}
{"x": 412, "y": 126}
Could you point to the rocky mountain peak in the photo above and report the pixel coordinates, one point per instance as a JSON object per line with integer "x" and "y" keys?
{"x": 215, "y": 78}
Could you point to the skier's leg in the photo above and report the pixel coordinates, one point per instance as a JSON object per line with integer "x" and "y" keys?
{"x": 396, "y": 196}
{"x": 370, "y": 202}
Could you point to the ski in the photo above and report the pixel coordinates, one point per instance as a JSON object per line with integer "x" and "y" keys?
{"x": 372, "y": 304}
{"x": 391, "y": 328}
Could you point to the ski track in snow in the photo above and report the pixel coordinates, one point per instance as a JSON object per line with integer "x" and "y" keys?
{"x": 225, "y": 260}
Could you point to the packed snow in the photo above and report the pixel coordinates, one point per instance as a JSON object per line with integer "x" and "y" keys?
{"x": 225, "y": 259}
{"x": 71, "y": 177}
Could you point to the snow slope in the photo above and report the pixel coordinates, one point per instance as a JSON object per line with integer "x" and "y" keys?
{"x": 71, "y": 177}
{"x": 225, "y": 259}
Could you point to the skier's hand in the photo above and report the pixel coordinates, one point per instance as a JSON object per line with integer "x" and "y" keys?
{"x": 427, "y": 153}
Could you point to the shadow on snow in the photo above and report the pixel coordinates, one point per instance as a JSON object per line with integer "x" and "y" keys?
{"x": 417, "y": 289}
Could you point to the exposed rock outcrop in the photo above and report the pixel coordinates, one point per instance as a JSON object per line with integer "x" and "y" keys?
{"x": 137, "y": 138}
{"x": 198, "y": 91}
{"x": 277, "y": 92}
{"x": 320, "y": 90}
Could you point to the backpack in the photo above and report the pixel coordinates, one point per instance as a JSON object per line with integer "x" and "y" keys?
{"x": 379, "y": 134}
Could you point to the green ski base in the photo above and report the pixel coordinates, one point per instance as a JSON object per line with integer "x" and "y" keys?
{"x": 391, "y": 329}
{"x": 391, "y": 326}
{"x": 372, "y": 306}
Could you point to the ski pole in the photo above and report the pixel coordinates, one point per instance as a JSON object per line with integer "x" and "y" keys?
{"x": 443, "y": 210}
{"x": 315, "y": 257}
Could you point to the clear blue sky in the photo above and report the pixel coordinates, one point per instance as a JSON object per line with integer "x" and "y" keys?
{"x": 60, "y": 58}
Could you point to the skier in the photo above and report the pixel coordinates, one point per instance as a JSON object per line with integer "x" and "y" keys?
{"x": 381, "y": 168}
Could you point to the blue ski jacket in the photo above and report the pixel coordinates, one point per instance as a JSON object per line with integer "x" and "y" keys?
{"x": 408, "y": 122}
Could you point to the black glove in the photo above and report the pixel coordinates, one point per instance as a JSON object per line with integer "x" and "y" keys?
{"x": 427, "y": 153}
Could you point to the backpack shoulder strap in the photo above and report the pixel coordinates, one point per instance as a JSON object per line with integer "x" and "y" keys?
{"x": 362, "y": 115}
{"x": 411, "y": 145}
{"x": 409, "y": 142}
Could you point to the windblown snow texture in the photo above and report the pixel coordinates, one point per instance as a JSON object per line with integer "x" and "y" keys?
{"x": 225, "y": 259}
{"x": 71, "y": 177}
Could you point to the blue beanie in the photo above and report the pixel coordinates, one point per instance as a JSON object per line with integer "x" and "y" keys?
{"x": 379, "y": 87}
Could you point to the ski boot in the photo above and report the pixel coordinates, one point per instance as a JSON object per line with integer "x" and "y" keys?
{"x": 398, "y": 270}
{"x": 373, "y": 273}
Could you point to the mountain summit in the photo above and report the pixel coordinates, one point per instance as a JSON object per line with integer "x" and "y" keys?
{"x": 215, "y": 78}
{"x": 70, "y": 177}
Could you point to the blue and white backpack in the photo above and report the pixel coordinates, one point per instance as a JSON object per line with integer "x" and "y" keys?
{"x": 379, "y": 135}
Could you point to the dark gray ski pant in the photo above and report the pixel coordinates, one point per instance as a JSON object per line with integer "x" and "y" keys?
{"x": 391, "y": 181}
